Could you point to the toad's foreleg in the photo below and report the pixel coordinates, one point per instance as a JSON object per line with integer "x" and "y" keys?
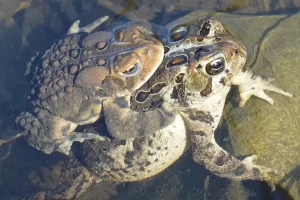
{"x": 250, "y": 84}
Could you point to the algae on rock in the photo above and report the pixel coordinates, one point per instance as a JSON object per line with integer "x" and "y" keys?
{"x": 272, "y": 132}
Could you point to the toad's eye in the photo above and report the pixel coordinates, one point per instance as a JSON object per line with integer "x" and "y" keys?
{"x": 215, "y": 67}
{"x": 178, "y": 34}
{"x": 127, "y": 64}
{"x": 132, "y": 70}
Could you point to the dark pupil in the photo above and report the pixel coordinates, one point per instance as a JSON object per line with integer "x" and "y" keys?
{"x": 215, "y": 67}
{"x": 179, "y": 78}
{"x": 178, "y": 36}
{"x": 131, "y": 69}
{"x": 179, "y": 60}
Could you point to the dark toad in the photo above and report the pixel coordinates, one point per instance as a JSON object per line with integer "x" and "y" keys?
{"x": 71, "y": 80}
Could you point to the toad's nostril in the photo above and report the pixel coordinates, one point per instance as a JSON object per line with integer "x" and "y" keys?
{"x": 166, "y": 50}
{"x": 234, "y": 52}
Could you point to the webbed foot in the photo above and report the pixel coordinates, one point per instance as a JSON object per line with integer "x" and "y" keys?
{"x": 74, "y": 29}
{"x": 7, "y": 152}
{"x": 64, "y": 145}
{"x": 262, "y": 171}
{"x": 250, "y": 84}
{"x": 8, "y": 140}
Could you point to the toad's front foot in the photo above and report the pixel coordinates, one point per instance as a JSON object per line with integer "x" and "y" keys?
{"x": 250, "y": 84}
{"x": 64, "y": 145}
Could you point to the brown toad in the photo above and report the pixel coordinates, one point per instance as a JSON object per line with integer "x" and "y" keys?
{"x": 70, "y": 81}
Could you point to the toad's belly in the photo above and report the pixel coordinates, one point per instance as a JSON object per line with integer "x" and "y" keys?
{"x": 137, "y": 159}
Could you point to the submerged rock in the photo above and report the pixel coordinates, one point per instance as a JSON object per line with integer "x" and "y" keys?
{"x": 272, "y": 132}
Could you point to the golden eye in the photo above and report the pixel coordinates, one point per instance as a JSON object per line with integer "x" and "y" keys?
{"x": 132, "y": 71}
{"x": 215, "y": 67}
{"x": 178, "y": 34}
{"x": 127, "y": 64}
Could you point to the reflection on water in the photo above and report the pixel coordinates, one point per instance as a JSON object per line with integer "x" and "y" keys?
{"x": 29, "y": 26}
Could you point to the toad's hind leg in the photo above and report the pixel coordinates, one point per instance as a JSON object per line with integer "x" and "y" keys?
{"x": 8, "y": 140}
{"x": 74, "y": 29}
{"x": 206, "y": 151}
{"x": 74, "y": 180}
{"x": 50, "y": 133}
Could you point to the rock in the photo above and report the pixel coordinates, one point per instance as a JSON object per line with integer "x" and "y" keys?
{"x": 272, "y": 132}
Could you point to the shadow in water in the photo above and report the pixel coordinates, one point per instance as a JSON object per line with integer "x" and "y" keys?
{"x": 293, "y": 177}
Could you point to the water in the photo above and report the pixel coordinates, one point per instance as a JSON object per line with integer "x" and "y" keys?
{"x": 31, "y": 26}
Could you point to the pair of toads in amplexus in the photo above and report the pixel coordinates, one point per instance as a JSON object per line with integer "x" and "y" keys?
{"x": 159, "y": 90}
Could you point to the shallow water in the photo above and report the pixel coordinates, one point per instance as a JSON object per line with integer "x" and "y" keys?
{"x": 29, "y": 26}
